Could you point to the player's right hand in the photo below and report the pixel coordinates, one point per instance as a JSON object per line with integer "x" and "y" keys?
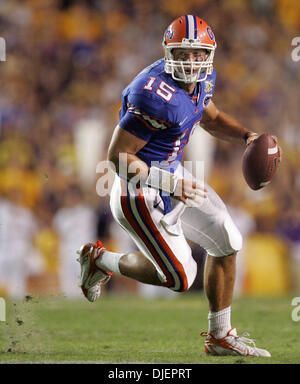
{"x": 189, "y": 190}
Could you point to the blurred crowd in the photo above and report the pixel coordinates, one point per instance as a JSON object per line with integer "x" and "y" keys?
{"x": 67, "y": 63}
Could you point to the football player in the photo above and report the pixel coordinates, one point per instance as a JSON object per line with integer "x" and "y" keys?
{"x": 157, "y": 201}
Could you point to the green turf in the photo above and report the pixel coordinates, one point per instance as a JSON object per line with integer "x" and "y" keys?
{"x": 128, "y": 329}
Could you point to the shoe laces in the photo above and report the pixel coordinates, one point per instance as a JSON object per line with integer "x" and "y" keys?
{"x": 244, "y": 338}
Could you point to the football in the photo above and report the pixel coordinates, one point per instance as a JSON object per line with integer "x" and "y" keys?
{"x": 260, "y": 161}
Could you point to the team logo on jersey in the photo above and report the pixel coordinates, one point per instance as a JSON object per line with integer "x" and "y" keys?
{"x": 209, "y": 84}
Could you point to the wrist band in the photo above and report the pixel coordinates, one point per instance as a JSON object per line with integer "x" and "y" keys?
{"x": 163, "y": 180}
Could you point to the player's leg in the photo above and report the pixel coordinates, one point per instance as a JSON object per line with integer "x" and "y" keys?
{"x": 139, "y": 212}
{"x": 210, "y": 225}
{"x": 219, "y": 278}
{"x": 164, "y": 259}
{"x": 98, "y": 265}
{"x": 136, "y": 266}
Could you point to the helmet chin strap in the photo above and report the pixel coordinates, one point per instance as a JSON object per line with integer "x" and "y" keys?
{"x": 186, "y": 80}
{"x": 184, "y": 77}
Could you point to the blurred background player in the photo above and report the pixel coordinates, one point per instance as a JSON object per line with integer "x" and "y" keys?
{"x": 158, "y": 201}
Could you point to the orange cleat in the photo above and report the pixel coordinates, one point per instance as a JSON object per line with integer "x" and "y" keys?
{"x": 92, "y": 277}
{"x": 232, "y": 345}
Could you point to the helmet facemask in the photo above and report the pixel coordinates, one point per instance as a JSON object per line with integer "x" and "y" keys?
{"x": 189, "y": 71}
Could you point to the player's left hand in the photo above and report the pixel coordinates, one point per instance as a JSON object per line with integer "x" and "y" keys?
{"x": 189, "y": 190}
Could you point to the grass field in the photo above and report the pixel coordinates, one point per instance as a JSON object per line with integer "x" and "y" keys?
{"x": 128, "y": 329}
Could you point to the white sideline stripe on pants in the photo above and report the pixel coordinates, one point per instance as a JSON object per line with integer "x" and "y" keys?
{"x": 152, "y": 240}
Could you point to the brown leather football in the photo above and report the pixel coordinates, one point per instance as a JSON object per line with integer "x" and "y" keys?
{"x": 260, "y": 161}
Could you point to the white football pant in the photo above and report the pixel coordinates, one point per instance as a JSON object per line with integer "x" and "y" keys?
{"x": 162, "y": 238}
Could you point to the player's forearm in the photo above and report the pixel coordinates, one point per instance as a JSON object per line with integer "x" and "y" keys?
{"x": 129, "y": 166}
{"x": 227, "y": 128}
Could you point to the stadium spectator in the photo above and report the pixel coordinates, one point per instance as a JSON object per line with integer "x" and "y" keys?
{"x": 18, "y": 257}
{"x": 75, "y": 224}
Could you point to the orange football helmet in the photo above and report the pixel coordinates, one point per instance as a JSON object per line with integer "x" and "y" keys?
{"x": 194, "y": 33}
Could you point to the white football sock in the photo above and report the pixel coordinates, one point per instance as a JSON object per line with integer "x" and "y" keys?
{"x": 109, "y": 261}
{"x": 219, "y": 323}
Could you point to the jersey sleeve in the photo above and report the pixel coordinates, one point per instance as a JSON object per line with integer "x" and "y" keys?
{"x": 145, "y": 115}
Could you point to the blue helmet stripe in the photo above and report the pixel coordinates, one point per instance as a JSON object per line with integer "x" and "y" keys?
{"x": 195, "y": 28}
{"x": 187, "y": 26}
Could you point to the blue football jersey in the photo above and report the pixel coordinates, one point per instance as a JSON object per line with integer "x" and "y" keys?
{"x": 156, "y": 109}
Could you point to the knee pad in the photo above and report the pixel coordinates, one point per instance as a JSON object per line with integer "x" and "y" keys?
{"x": 234, "y": 239}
